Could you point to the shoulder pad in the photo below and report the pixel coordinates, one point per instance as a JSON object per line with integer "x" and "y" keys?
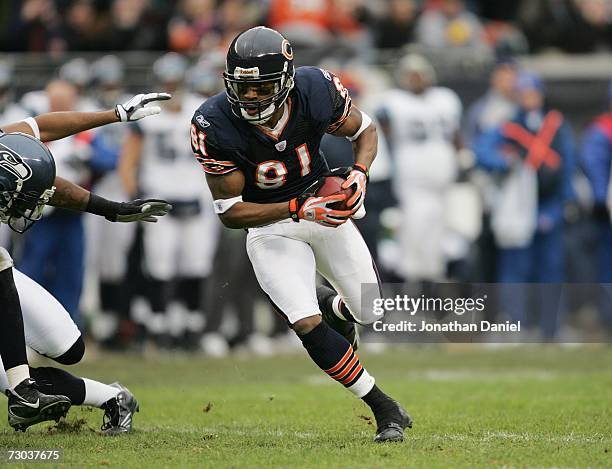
{"x": 326, "y": 99}
{"x": 214, "y": 117}
{"x": 312, "y": 79}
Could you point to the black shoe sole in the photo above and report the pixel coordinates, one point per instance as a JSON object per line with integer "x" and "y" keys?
{"x": 54, "y": 411}
{"x": 395, "y": 434}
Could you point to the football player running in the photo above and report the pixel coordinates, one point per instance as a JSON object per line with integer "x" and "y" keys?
{"x": 28, "y": 183}
{"x": 259, "y": 146}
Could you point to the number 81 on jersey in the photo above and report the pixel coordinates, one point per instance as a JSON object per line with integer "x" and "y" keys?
{"x": 273, "y": 173}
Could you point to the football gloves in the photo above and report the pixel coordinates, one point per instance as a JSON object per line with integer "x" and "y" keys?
{"x": 358, "y": 179}
{"x": 140, "y": 210}
{"x": 136, "y": 108}
{"x": 308, "y": 206}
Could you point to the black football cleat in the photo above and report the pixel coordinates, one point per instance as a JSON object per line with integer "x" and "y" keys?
{"x": 347, "y": 329}
{"x": 391, "y": 420}
{"x": 28, "y": 406}
{"x": 118, "y": 412}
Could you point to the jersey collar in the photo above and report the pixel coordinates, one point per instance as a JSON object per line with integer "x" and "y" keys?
{"x": 276, "y": 132}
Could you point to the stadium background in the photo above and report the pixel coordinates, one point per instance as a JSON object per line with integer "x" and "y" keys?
{"x": 566, "y": 42}
{"x": 518, "y": 406}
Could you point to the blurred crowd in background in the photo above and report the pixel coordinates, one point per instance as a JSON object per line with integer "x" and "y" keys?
{"x": 201, "y": 26}
{"x": 490, "y": 185}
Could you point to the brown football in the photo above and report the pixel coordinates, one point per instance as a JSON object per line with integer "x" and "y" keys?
{"x": 332, "y": 186}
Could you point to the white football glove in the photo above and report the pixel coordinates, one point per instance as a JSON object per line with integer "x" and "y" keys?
{"x": 358, "y": 179}
{"x": 136, "y": 108}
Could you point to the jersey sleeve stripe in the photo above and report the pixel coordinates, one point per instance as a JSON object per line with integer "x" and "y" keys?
{"x": 203, "y": 160}
{"x": 212, "y": 166}
{"x": 216, "y": 170}
{"x": 347, "y": 110}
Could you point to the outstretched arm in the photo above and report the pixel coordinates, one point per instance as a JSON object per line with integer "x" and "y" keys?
{"x": 57, "y": 125}
{"x": 71, "y": 196}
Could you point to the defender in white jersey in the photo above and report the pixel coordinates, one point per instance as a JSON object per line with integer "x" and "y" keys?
{"x": 421, "y": 122}
{"x": 27, "y": 184}
{"x": 179, "y": 250}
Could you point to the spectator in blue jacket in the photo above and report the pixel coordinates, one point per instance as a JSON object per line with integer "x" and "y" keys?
{"x": 496, "y": 106}
{"x": 596, "y": 162}
{"x": 488, "y": 112}
{"x": 541, "y": 139}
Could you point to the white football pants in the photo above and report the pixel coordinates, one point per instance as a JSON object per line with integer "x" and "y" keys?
{"x": 49, "y": 329}
{"x": 286, "y": 257}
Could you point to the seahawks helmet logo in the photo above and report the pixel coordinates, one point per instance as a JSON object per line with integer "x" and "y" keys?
{"x": 14, "y": 164}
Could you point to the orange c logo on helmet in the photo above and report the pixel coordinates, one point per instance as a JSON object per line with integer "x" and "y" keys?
{"x": 286, "y": 49}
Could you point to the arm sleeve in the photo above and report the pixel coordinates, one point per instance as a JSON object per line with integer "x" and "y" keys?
{"x": 341, "y": 104}
{"x": 595, "y": 160}
{"x": 330, "y": 100}
{"x": 208, "y": 153}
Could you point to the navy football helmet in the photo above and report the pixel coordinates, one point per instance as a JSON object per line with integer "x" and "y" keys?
{"x": 258, "y": 56}
{"x": 27, "y": 174}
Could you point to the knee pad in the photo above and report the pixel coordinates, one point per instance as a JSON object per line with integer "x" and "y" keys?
{"x": 74, "y": 354}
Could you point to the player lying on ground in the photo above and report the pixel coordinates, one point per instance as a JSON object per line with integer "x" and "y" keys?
{"x": 259, "y": 146}
{"x": 28, "y": 183}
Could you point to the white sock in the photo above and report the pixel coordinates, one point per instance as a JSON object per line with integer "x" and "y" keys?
{"x": 363, "y": 385}
{"x": 17, "y": 374}
{"x": 97, "y": 393}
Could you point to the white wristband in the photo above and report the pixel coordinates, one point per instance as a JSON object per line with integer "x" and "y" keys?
{"x": 223, "y": 205}
{"x": 34, "y": 126}
{"x": 365, "y": 123}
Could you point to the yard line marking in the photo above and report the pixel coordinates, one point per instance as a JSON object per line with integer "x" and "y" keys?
{"x": 412, "y": 436}
{"x": 457, "y": 375}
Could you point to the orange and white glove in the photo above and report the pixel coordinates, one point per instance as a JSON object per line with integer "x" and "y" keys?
{"x": 358, "y": 179}
{"x": 318, "y": 209}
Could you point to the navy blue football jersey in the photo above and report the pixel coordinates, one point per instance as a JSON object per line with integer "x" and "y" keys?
{"x": 276, "y": 168}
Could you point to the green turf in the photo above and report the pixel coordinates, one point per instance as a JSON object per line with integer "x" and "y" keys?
{"x": 513, "y": 407}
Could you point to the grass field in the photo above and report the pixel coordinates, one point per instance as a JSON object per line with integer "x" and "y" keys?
{"x": 532, "y": 406}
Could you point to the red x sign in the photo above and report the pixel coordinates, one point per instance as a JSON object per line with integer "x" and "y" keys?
{"x": 537, "y": 145}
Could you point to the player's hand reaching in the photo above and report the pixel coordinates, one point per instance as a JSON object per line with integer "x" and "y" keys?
{"x": 136, "y": 210}
{"x": 357, "y": 179}
{"x": 317, "y": 209}
{"x": 136, "y": 108}
{"x": 140, "y": 210}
